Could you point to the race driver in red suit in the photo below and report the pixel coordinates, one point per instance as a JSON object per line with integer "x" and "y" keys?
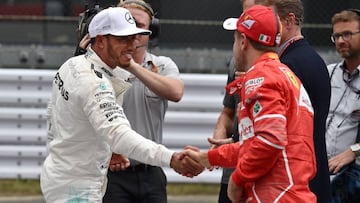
{"x": 274, "y": 157}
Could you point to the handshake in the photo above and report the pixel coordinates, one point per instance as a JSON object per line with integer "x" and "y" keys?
{"x": 190, "y": 162}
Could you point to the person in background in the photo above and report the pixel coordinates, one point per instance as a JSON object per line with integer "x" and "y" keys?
{"x": 145, "y": 103}
{"x": 275, "y": 119}
{"x": 342, "y": 127}
{"x": 86, "y": 121}
{"x": 309, "y": 67}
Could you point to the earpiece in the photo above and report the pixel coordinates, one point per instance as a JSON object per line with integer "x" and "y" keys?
{"x": 155, "y": 22}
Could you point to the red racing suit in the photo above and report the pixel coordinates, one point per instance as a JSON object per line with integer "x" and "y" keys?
{"x": 274, "y": 157}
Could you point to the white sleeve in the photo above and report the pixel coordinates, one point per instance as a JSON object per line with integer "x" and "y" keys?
{"x": 109, "y": 121}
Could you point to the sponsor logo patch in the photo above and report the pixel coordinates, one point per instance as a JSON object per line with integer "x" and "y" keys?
{"x": 248, "y": 23}
{"x": 257, "y": 108}
{"x": 290, "y": 75}
{"x": 246, "y": 129}
{"x": 102, "y": 86}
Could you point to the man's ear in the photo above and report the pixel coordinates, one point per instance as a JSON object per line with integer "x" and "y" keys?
{"x": 244, "y": 41}
{"x": 100, "y": 41}
{"x": 290, "y": 19}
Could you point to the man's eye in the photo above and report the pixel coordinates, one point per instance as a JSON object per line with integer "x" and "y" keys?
{"x": 347, "y": 34}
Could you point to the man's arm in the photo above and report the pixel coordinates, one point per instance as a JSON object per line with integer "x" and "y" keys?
{"x": 224, "y": 127}
{"x": 166, "y": 87}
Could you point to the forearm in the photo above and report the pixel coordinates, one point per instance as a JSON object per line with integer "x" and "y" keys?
{"x": 166, "y": 87}
{"x": 225, "y": 124}
{"x": 135, "y": 146}
{"x": 225, "y": 155}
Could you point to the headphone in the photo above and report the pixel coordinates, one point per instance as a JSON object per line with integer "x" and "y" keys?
{"x": 155, "y": 22}
{"x": 357, "y": 11}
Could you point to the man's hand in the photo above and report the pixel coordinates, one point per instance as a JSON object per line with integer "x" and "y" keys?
{"x": 200, "y": 157}
{"x": 185, "y": 166}
{"x": 341, "y": 160}
{"x": 218, "y": 142}
{"x": 234, "y": 192}
{"x": 84, "y": 41}
{"x": 118, "y": 162}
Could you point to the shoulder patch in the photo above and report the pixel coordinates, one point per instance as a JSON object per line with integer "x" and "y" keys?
{"x": 291, "y": 76}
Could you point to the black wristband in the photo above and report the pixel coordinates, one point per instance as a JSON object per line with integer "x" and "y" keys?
{"x": 235, "y": 138}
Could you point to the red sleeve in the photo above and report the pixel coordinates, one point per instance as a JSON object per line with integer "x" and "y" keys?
{"x": 225, "y": 156}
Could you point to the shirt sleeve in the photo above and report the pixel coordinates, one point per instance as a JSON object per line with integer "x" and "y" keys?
{"x": 109, "y": 121}
{"x": 224, "y": 155}
{"x": 229, "y": 100}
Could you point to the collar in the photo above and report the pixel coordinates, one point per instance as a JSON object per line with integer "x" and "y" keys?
{"x": 349, "y": 75}
{"x": 99, "y": 65}
{"x": 288, "y": 42}
{"x": 148, "y": 63}
{"x": 267, "y": 57}
{"x": 236, "y": 85}
{"x": 148, "y": 58}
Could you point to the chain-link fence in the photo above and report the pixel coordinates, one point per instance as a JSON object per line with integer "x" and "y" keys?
{"x": 185, "y": 25}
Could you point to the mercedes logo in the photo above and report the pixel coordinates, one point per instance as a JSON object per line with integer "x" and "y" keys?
{"x": 129, "y": 18}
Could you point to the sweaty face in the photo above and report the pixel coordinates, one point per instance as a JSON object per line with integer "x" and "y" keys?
{"x": 348, "y": 48}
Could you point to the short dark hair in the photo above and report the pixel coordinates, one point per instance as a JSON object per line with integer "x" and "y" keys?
{"x": 284, "y": 7}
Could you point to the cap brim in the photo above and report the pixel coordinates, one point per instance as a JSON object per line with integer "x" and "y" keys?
{"x": 132, "y": 31}
{"x": 230, "y": 24}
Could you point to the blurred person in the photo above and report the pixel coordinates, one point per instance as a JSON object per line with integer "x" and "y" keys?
{"x": 275, "y": 119}
{"x": 145, "y": 103}
{"x": 309, "y": 67}
{"x": 342, "y": 133}
{"x": 86, "y": 121}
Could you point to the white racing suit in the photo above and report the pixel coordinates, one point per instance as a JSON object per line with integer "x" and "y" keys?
{"x": 87, "y": 124}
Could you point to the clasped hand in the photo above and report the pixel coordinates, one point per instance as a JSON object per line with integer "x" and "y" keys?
{"x": 187, "y": 165}
{"x": 184, "y": 163}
